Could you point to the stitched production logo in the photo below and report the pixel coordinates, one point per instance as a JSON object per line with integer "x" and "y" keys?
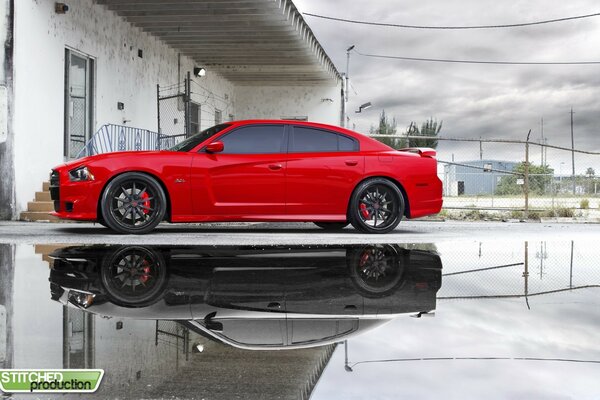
{"x": 50, "y": 380}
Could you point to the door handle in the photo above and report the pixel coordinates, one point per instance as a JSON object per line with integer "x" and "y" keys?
{"x": 275, "y": 167}
{"x": 351, "y": 163}
{"x": 274, "y": 305}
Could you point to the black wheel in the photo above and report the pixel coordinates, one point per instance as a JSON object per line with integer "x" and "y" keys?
{"x": 133, "y": 203}
{"x": 376, "y": 206}
{"x": 331, "y": 226}
{"x": 376, "y": 270}
{"x": 134, "y": 276}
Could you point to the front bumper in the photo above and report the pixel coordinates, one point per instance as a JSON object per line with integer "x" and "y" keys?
{"x": 74, "y": 200}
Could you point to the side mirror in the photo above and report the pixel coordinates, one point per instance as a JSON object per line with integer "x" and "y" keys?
{"x": 215, "y": 147}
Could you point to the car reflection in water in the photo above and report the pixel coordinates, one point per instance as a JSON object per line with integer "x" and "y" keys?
{"x": 256, "y": 298}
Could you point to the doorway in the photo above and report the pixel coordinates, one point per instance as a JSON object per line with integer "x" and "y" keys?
{"x": 79, "y": 102}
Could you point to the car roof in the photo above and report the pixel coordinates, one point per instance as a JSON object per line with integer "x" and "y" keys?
{"x": 372, "y": 143}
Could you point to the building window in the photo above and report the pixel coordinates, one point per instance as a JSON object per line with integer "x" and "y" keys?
{"x": 218, "y": 117}
{"x": 195, "y": 118}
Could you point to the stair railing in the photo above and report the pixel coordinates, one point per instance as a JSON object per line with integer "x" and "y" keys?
{"x": 110, "y": 138}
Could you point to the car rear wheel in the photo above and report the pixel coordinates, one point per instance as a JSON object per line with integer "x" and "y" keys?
{"x": 133, "y": 203}
{"x": 331, "y": 226}
{"x": 376, "y": 206}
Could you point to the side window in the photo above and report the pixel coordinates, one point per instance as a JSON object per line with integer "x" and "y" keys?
{"x": 261, "y": 139}
{"x": 347, "y": 144}
{"x": 311, "y": 140}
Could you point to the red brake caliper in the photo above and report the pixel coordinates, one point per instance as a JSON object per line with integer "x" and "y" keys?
{"x": 146, "y": 268}
{"x": 363, "y": 259}
{"x": 146, "y": 203}
{"x": 364, "y": 211}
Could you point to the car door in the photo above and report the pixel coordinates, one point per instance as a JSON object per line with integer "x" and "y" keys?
{"x": 246, "y": 179}
{"x": 322, "y": 169}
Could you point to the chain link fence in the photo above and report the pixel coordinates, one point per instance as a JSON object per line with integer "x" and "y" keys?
{"x": 515, "y": 178}
{"x": 531, "y": 269}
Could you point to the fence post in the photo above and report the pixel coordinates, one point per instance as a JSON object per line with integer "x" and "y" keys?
{"x": 527, "y": 176}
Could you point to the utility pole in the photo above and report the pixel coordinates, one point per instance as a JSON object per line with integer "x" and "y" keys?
{"x": 542, "y": 141}
{"x": 572, "y": 152}
{"x": 348, "y": 50}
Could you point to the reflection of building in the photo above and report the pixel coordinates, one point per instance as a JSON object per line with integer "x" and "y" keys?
{"x": 6, "y": 288}
{"x": 141, "y": 358}
{"x": 474, "y": 177}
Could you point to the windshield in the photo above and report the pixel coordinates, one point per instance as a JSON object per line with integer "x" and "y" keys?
{"x": 193, "y": 141}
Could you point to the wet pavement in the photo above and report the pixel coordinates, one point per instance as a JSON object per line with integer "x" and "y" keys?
{"x": 414, "y": 231}
{"x": 447, "y": 318}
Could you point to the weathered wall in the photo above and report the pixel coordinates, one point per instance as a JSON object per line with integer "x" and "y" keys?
{"x": 7, "y": 195}
{"x": 318, "y": 103}
{"x": 41, "y": 37}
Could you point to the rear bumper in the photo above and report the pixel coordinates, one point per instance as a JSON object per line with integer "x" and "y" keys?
{"x": 425, "y": 208}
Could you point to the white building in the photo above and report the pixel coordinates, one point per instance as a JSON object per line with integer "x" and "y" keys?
{"x": 70, "y": 68}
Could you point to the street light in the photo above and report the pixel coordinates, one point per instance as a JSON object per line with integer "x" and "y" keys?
{"x": 345, "y": 100}
{"x": 363, "y": 107}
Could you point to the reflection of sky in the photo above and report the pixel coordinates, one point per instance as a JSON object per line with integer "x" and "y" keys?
{"x": 558, "y": 325}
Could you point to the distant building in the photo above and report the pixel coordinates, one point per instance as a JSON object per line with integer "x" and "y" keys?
{"x": 479, "y": 177}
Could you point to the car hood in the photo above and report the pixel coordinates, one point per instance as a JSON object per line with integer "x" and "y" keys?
{"x": 117, "y": 154}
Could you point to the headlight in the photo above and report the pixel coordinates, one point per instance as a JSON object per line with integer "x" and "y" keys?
{"x": 80, "y": 174}
{"x": 81, "y": 299}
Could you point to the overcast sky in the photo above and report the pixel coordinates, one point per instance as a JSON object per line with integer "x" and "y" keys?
{"x": 489, "y": 101}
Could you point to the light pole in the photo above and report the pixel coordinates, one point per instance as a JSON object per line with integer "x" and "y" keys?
{"x": 348, "y": 50}
{"x": 363, "y": 107}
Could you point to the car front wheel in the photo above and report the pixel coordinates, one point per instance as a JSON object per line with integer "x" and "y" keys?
{"x": 133, "y": 203}
{"x": 376, "y": 206}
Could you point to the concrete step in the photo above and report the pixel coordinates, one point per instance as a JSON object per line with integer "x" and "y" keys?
{"x": 45, "y": 186}
{"x": 45, "y": 249}
{"x": 42, "y": 196}
{"x": 46, "y": 206}
{"x": 38, "y": 216}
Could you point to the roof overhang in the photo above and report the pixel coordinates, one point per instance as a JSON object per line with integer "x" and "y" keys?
{"x": 249, "y": 42}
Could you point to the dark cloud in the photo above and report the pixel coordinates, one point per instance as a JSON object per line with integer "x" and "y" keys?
{"x": 488, "y": 101}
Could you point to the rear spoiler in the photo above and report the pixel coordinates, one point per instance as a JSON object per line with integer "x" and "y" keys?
{"x": 422, "y": 151}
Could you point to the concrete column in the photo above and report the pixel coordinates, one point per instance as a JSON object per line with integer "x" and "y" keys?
{"x": 7, "y": 175}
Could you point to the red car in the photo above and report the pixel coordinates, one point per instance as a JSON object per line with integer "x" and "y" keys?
{"x": 255, "y": 170}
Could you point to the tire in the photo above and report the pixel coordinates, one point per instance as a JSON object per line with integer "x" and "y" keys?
{"x": 133, "y": 203}
{"x": 134, "y": 276}
{"x": 331, "y": 226}
{"x": 376, "y": 206}
{"x": 376, "y": 270}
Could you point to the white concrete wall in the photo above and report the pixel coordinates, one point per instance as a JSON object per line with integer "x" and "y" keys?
{"x": 274, "y": 102}
{"x": 41, "y": 37}
{"x": 4, "y": 23}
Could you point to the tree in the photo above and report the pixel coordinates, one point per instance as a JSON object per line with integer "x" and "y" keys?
{"x": 590, "y": 172}
{"x": 540, "y": 177}
{"x": 429, "y": 128}
{"x": 387, "y": 127}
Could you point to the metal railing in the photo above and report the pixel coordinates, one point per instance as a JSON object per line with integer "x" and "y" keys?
{"x": 110, "y": 138}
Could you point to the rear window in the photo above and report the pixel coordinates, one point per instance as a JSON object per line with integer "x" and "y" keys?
{"x": 310, "y": 140}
